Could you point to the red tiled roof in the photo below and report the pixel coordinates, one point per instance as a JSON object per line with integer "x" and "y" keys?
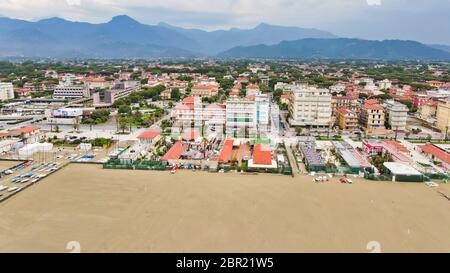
{"x": 253, "y": 86}
{"x": 188, "y": 100}
{"x": 176, "y": 151}
{"x": 92, "y": 79}
{"x": 225, "y": 153}
{"x": 22, "y": 90}
{"x": 436, "y": 152}
{"x": 371, "y": 101}
{"x": 398, "y": 146}
{"x": 3, "y": 134}
{"x": 191, "y": 135}
{"x": 203, "y": 87}
{"x": 344, "y": 111}
{"x": 250, "y": 97}
{"x": 149, "y": 135}
{"x": 373, "y": 106}
{"x": 262, "y": 155}
{"x": 25, "y": 130}
{"x": 345, "y": 97}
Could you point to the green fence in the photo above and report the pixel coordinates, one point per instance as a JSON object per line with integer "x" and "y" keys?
{"x": 283, "y": 170}
{"x": 137, "y": 165}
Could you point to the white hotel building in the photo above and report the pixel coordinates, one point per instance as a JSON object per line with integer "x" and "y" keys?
{"x": 6, "y": 91}
{"x": 396, "y": 115}
{"x": 310, "y": 107}
{"x": 249, "y": 116}
{"x": 240, "y": 117}
{"x": 71, "y": 92}
{"x": 192, "y": 110}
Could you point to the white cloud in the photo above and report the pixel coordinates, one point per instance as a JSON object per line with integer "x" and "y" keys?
{"x": 374, "y": 2}
{"x": 73, "y": 2}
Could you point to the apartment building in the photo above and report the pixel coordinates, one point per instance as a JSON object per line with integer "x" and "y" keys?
{"x": 310, "y": 107}
{"x": 428, "y": 110}
{"x": 443, "y": 116}
{"x": 240, "y": 117}
{"x": 348, "y": 102}
{"x": 347, "y": 120}
{"x": 385, "y": 84}
{"x": 120, "y": 90}
{"x": 262, "y": 113}
{"x": 396, "y": 115}
{"x": 97, "y": 83}
{"x": 253, "y": 90}
{"x": 372, "y": 115}
{"x": 6, "y": 91}
{"x": 192, "y": 110}
{"x": 205, "y": 91}
{"x": 71, "y": 92}
{"x": 288, "y": 87}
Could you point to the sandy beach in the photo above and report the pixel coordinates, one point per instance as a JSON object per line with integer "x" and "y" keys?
{"x": 141, "y": 211}
{"x": 4, "y": 165}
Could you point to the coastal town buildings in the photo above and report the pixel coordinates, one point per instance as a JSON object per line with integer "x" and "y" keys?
{"x": 443, "y": 117}
{"x": 310, "y": 106}
{"x": 348, "y": 102}
{"x": 205, "y": 90}
{"x": 240, "y": 117}
{"x": 252, "y": 90}
{"x": 372, "y": 115}
{"x": 428, "y": 111}
{"x": 106, "y": 98}
{"x": 193, "y": 111}
{"x": 94, "y": 83}
{"x": 248, "y": 116}
{"x": 396, "y": 115}
{"x": 71, "y": 92}
{"x": 347, "y": 120}
{"x": 6, "y": 91}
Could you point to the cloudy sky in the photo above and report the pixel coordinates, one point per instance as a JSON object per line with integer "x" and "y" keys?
{"x": 423, "y": 20}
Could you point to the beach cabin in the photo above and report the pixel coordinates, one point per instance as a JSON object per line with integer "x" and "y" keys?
{"x": 28, "y": 135}
{"x": 262, "y": 158}
{"x": 175, "y": 152}
{"x": 313, "y": 160}
{"x": 400, "y": 172}
{"x": 149, "y": 137}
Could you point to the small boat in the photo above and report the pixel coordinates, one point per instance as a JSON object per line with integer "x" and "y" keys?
{"x": 13, "y": 189}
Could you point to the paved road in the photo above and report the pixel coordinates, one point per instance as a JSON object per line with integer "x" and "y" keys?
{"x": 292, "y": 160}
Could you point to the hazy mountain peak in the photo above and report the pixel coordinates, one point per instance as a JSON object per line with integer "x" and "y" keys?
{"x": 263, "y": 25}
{"x": 123, "y": 19}
{"x": 52, "y": 20}
{"x": 166, "y": 25}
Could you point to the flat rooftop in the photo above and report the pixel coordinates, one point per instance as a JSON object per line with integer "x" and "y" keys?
{"x": 401, "y": 169}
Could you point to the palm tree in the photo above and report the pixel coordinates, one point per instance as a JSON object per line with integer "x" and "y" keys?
{"x": 122, "y": 123}
{"x": 76, "y": 124}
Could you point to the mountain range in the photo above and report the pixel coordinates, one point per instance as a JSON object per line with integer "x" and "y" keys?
{"x": 341, "y": 48}
{"x": 124, "y": 37}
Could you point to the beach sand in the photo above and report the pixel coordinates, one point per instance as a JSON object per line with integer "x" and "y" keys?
{"x": 142, "y": 211}
{"x": 5, "y": 165}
